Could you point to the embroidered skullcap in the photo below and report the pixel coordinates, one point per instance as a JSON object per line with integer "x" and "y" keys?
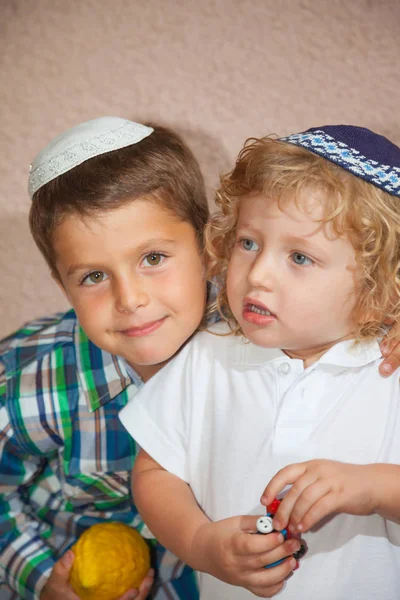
{"x": 80, "y": 143}
{"x": 360, "y": 151}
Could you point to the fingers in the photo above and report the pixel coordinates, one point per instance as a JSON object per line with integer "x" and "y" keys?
{"x": 284, "y": 477}
{"x": 285, "y": 550}
{"x": 50, "y": 593}
{"x": 391, "y": 350}
{"x": 266, "y": 592}
{"x": 303, "y": 495}
{"x": 318, "y": 511}
{"x": 256, "y": 551}
{"x": 243, "y": 554}
{"x": 250, "y": 545}
{"x": 57, "y": 584}
{"x": 62, "y": 568}
{"x": 267, "y": 582}
{"x": 130, "y": 595}
{"x": 248, "y": 523}
{"x": 309, "y": 487}
{"x": 146, "y": 585}
{"x": 143, "y": 591}
{"x": 317, "y": 490}
{"x": 300, "y": 511}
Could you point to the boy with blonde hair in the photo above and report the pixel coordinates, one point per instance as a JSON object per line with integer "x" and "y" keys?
{"x": 307, "y": 248}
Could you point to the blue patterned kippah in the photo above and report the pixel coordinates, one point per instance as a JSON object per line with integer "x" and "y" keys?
{"x": 360, "y": 151}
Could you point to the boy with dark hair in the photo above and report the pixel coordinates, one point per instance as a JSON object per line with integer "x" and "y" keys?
{"x": 118, "y": 212}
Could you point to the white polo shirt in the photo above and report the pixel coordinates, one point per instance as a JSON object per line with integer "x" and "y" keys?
{"x": 226, "y": 415}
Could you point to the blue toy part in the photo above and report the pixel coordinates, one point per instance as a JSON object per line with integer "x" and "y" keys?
{"x": 264, "y": 526}
{"x": 284, "y": 532}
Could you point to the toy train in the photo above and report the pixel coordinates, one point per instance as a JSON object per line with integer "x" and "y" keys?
{"x": 264, "y": 525}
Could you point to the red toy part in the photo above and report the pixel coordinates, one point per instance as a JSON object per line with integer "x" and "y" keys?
{"x": 273, "y": 507}
{"x": 271, "y": 511}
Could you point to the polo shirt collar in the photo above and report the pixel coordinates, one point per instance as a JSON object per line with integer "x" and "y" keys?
{"x": 343, "y": 354}
{"x": 348, "y": 354}
{"x": 102, "y": 375}
{"x": 247, "y": 354}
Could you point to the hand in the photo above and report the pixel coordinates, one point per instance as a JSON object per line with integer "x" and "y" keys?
{"x": 229, "y": 550}
{"x": 57, "y": 585}
{"x": 144, "y": 589}
{"x": 391, "y": 351}
{"x": 321, "y": 488}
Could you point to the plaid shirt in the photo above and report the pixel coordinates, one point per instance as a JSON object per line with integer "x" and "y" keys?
{"x": 65, "y": 458}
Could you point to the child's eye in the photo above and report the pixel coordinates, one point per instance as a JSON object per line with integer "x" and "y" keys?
{"x": 153, "y": 259}
{"x": 301, "y": 259}
{"x": 94, "y": 277}
{"x": 249, "y": 245}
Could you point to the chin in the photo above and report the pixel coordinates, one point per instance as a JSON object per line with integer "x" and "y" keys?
{"x": 151, "y": 359}
{"x": 260, "y": 339}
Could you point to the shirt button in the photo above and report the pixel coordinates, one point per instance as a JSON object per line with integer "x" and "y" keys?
{"x": 284, "y": 368}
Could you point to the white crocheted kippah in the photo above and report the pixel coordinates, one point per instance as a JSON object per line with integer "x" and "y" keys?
{"x": 80, "y": 143}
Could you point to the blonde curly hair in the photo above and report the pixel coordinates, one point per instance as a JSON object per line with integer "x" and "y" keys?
{"x": 366, "y": 215}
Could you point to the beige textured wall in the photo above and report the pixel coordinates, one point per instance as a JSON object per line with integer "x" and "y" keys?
{"x": 218, "y": 71}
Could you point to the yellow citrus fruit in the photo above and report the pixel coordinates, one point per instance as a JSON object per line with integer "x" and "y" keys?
{"x": 110, "y": 558}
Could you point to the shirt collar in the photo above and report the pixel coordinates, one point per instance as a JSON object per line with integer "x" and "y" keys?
{"x": 247, "y": 354}
{"x": 102, "y": 375}
{"x": 343, "y": 354}
{"x": 349, "y": 354}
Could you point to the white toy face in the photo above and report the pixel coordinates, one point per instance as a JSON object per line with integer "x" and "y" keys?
{"x": 264, "y": 525}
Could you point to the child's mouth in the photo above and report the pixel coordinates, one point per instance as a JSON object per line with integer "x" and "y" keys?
{"x": 259, "y": 311}
{"x": 250, "y": 305}
{"x": 143, "y": 329}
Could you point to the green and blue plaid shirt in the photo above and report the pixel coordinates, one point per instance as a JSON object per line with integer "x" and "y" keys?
{"x": 65, "y": 458}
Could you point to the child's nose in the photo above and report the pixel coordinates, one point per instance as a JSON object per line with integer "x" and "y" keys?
{"x": 262, "y": 273}
{"x": 130, "y": 295}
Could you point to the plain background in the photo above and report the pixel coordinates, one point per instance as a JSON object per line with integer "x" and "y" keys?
{"x": 218, "y": 71}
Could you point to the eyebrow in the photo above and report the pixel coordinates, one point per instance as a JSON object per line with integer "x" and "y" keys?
{"x": 298, "y": 239}
{"x": 147, "y": 246}
{"x": 307, "y": 244}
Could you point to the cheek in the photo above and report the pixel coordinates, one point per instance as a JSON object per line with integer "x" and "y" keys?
{"x": 91, "y": 310}
{"x": 330, "y": 305}
{"x": 182, "y": 289}
{"x": 235, "y": 278}
{"x": 230, "y": 286}
{"x": 340, "y": 294}
{"x": 232, "y": 273}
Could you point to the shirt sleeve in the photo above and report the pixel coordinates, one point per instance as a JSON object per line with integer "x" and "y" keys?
{"x": 25, "y": 559}
{"x": 157, "y": 416}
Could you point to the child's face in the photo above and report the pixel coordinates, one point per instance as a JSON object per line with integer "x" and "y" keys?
{"x": 135, "y": 278}
{"x": 286, "y": 264}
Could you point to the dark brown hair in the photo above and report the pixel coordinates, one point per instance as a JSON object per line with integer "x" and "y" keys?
{"x": 160, "y": 167}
